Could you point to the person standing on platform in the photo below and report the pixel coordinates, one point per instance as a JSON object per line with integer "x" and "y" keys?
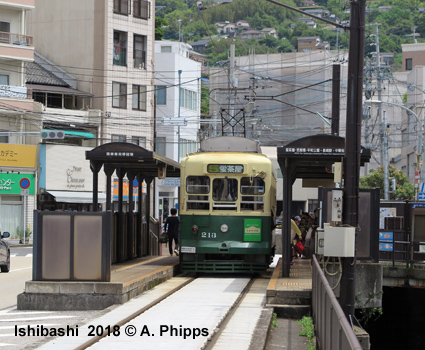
{"x": 172, "y": 227}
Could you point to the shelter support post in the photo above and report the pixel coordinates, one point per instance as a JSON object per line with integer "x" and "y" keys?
{"x": 286, "y": 223}
{"x": 148, "y": 210}
{"x": 108, "y": 171}
{"x": 95, "y": 168}
{"x": 139, "y": 233}
{"x": 120, "y": 229}
{"x": 130, "y": 216}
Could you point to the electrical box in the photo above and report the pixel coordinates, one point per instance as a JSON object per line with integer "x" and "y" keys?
{"x": 337, "y": 170}
{"x": 339, "y": 241}
{"x": 337, "y": 205}
{"x": 320, "y": 241}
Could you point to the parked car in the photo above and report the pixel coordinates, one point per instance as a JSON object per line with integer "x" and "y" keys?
{"x": 4, "y": 253}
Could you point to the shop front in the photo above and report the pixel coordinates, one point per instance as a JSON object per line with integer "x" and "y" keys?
{"x": 17, "y": 188}
{"x": 66, "y": 181}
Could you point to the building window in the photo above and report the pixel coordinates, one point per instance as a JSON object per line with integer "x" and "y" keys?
{"x": 160, "y": 143}
{"x": 161, "y": 95}
{"x": 139, "y": 97}
{"x": 120, "y": 48}
{"x": 4, "y": 139}
{"x": 139, "y": 51}
{"x": 121, "y": 7}
{"x": 4, "y": 79}
{"x": 118, "y": 138}
{"x": 141, "y": 9}
{"x": 409, "y": 64}
{"x": 119, "y": 95}
{"x": 165, "y": 48}
{"x": 308, "y": 49}
{"x": 139, "y": 140}
{"x": 188, "y": 99}
{"x": 4, "y": 32}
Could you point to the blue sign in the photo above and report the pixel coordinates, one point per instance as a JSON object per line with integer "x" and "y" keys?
{"x": 421, "y": 196}
{"x": 387, "y": 236}
{"x": 418, "y": 205}
{"x": 386, "y": 247}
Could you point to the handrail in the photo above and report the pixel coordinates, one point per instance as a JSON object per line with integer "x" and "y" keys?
{"x": 332, "y": 328}
{"x": 16, "y": 39}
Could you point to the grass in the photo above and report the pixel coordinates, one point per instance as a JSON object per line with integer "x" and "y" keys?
{"x": 308, "y": 331}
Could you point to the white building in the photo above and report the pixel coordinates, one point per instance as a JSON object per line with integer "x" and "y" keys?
{"x": 178, "y": 110}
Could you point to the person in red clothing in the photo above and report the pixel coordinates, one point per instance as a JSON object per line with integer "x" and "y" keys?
{"x": 172, "y": 227}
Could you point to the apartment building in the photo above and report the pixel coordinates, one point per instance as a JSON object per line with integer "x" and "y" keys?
{"x": 19, "y": 129}
{"x": 178, "y": 110}
{"x": 108, "y": 46}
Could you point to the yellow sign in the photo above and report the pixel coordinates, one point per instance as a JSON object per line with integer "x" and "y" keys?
{"x": 19, "y": 156}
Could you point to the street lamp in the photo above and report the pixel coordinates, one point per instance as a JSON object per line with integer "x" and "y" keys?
{"x": 385, "y": 141}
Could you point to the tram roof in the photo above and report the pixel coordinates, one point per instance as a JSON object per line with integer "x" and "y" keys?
{"x": 133, "y": 158}
{"x": 312, "y": 157}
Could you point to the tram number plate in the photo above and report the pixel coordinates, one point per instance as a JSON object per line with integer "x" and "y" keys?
{"x": 188, "y": 249}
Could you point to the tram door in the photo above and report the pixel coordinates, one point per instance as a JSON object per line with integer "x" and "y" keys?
{"x": 165, "y": 205}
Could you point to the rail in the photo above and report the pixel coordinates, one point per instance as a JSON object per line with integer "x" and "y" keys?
{"x": 16, "y": 39}
{"x": 403, "y": 252}
{"x": 333, "y": 331}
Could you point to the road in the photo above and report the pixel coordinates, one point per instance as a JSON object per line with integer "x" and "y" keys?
{"x": 13, "y": 282}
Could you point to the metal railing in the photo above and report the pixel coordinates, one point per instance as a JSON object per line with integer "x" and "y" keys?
{"x": 16, "y": 39}
{"x": 333, "y": 332}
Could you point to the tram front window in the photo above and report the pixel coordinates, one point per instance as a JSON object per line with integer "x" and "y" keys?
{"x": 225, "y": 190}
{"x": 252, "y": 193}
{"x": 197, "y": 188}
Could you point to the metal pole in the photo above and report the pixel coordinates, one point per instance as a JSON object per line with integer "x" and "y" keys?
{"x": 353, "y": 144}
{"x": 385, "y": 146}
{"x": 336, "y": 91}
{"x": 178, "y": 128}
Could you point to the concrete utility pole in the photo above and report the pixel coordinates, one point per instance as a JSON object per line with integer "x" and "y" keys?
{"x": 353, "y": 145}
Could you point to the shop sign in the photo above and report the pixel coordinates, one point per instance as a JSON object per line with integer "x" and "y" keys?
{"x": 20, "y": 156}
{"x": 11, "y": 183}
{"x": 75, "y": 178}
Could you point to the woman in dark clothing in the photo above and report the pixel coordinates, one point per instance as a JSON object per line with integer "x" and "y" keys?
{"x": 172, "y": 227}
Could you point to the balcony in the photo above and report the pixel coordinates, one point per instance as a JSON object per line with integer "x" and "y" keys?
{"x": 16, "y": 46}
{"x": 16, "y": 39}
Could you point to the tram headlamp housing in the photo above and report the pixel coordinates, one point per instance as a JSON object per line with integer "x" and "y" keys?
{"x": 224, "y": 228}
{"x": 195, "y": 229}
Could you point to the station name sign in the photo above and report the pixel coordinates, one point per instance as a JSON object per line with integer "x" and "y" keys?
{"x": 315, "y": 150}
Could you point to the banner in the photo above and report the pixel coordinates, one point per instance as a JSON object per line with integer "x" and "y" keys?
{"x": 19, "y": 156}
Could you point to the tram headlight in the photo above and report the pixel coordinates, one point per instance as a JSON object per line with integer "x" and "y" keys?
{"x": 224, "y": 228}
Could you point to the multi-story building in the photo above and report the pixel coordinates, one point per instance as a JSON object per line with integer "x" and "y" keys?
{"x": 178, "y": 101}
{"x": 278, "y": 94}
{"x": 19, "y": 128}
{"x": 108, "y": 46}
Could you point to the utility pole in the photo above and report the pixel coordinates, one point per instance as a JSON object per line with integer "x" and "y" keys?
{"x": 353, "y": 145}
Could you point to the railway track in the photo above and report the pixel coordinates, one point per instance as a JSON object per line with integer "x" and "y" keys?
{"x": 183, "y": 313}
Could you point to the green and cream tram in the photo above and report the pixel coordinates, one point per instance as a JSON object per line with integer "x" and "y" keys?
{"x": 227, "y": 207}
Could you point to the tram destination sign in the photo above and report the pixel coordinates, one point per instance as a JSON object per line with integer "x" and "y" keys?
{"x": 225, "y": 168}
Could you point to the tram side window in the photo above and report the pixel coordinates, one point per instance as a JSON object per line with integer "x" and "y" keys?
{"x": 197, "y": 188}
{"x": 252, "y": 193}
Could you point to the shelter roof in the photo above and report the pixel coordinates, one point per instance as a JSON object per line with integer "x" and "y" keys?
{"x": 131, "y": 157}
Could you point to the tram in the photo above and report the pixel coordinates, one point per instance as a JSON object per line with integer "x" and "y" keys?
{"x": 227, "y": 207}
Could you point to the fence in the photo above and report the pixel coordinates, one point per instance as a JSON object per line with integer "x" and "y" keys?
{"x": 333, "y": 332}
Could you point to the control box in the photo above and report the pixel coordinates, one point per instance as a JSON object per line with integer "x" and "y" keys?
{"x": 339, "y": 241}
{"x": 337, "y": 205}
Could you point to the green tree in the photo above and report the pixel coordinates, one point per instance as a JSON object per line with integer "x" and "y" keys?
{"x": 160, "y": 23}
{"x": 205, "y": 99}
{"x": 404, "y": 189}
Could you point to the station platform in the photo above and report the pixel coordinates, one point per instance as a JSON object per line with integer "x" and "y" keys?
{"x": 128, "y": 280}
{"x": 291, "y": 296}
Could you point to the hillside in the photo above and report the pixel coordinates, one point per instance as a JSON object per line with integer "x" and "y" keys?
{"x": 397, "y": 19}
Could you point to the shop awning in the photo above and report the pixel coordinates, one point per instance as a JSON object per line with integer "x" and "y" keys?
{"x": 76, "y": 197}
